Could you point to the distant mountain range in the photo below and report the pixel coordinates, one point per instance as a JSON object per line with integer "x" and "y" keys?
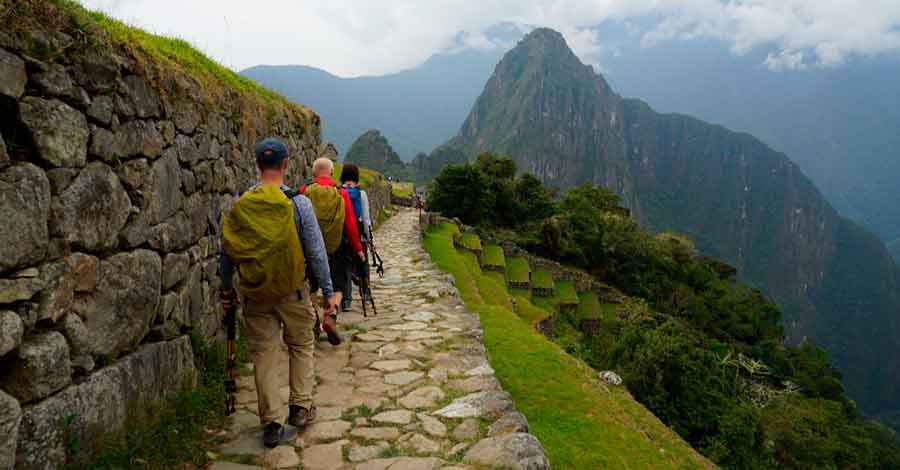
{"x": 417, "y": 109}
{"x": 840, "y": 125}
{"x": 739, "y": 199}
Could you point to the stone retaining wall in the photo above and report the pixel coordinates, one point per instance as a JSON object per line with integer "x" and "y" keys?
{"x": 583, "y": 281}
{"x": 379, "y": 192}
{"x": 403, "y": 201}
{"x": 115, "y": 170}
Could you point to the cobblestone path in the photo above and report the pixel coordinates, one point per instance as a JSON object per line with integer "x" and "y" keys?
{"x": 409, "y": 388}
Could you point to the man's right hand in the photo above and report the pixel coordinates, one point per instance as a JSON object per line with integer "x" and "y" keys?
{"x": 333, "y": 303}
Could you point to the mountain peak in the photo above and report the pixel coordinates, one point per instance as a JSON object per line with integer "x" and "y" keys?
{"x": 547, "y": 42}
{"x": 544, "y": 35}
{"x": 544, "y": 51}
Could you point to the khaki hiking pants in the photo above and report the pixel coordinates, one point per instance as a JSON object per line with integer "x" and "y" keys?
{"x": 264, "y": 332}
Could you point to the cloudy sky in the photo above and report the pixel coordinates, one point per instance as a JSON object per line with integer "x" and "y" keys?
{"x": 364, "y": 37}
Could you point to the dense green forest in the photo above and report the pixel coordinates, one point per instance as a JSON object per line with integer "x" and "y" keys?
{"x": 699, "y": 349}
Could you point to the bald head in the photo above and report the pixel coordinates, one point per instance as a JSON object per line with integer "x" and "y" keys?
{"x": 323, "y": 167}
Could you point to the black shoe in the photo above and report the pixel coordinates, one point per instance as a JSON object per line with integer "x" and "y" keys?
{"x": 334, "y": 338}
{"x": 345, "y": 304}
{"x": 272, "y": 434}
{"x": 299, "y": 416}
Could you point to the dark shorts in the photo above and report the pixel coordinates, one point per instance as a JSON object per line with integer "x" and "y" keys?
{"x": 339, "y": 263}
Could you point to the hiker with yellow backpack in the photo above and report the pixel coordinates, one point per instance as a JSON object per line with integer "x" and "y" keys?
{"x": 271, "y": 236}
{"x": 337, "y": 220}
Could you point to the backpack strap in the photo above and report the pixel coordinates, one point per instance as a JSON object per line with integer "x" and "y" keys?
{"x": 291, "y": 193}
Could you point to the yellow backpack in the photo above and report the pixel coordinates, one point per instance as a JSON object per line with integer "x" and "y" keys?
{"x": 329, "y": 206}
{"x": 260, "y": 236}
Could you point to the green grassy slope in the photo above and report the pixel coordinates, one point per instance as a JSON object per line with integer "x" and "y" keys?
{"x": 366, "y": 176}
{"x": 588, "y": 305}
{"x": 401, "y": 189}
{"x": 581, "y": 423}
{"x": 100, "y": 30}
{"x": 493, "y": 256}
{"x": 565, "y": 290}
{"x": 517, "y": 269}
{"x": 470, "y": 241}
{"x": 530, "y": 313}
{"x": 542, "y": 280}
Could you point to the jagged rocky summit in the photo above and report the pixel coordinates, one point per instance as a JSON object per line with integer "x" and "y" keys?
{"x": 739, "y": 199}
{"x": 372, "y": 150}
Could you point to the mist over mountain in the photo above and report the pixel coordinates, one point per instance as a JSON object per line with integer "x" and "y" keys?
{"x": 739, "y": 199}
{"x": 839, "y": 124}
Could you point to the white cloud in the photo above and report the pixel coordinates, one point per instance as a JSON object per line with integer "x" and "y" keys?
{"x": 359, "y": 37}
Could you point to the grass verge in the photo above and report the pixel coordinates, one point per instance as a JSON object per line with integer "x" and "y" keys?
{"x": 517, "y": 269}
{"x": 542, "y": 280}
{"x": 470, "y": 241}
{"x": 565, "y": 290}
{"x": 366, "y": 176}
{"x": 493, "y": 256}
{"x": 100, "y": 31}
{"x": 401, "y": 189}
{"x": 527, "y": 311}
{"x": 588, "y": 306}
{"x": 173, "y": 433}
{"x": 580, "y": 423}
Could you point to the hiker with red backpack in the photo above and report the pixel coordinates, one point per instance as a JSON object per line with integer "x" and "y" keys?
{"x": 359, "y": 199}
{"x": 271, "y": 236}
{"x": 337, "y": 220}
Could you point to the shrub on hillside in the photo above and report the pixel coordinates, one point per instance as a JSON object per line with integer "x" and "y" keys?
{"x": 700, "y": 350}
{"x": 461, "y": 191}
{"x": 488, "y": 192}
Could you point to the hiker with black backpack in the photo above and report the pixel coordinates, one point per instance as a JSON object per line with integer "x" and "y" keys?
{"x": 337, "y": 220}
{"x": 359, "y": 199}
{"x": 271, "y": 236}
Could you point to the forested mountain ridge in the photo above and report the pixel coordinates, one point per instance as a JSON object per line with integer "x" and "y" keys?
{"x": 837, "y": 123}
{"x": 742, "y": 201}
{"x": 372, "y": 150}
{"x": 415, "y": 108}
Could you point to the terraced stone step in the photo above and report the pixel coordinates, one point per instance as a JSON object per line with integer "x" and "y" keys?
{"x": 493, "y": 259}
{"x": 518, "y": 273}
{"x": 542, "y": 284}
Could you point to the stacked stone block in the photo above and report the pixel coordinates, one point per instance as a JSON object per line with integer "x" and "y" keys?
{"x": 115, "y": 172}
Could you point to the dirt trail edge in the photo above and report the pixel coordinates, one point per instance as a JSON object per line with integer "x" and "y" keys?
{"x": 410, "y": 388}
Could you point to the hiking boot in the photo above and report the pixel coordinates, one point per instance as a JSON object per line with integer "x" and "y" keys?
{"x": 272, "y": 434}
{"x": 345, "y": 304}
{"x": 330, "y": 327}
{"x": 300, "y": 416}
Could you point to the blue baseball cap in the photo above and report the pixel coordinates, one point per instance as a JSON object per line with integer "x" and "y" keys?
{"x": 271, "y": 150}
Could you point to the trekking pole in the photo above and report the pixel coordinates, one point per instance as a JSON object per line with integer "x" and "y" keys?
{"x": 231, "y": 355}
{"x": 362, "y": 294}
{"x": 371, "y": 299}
{"x": 377, "y": 263}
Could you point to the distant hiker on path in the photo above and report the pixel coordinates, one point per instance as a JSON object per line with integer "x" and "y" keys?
{"x": 359, "y": 199}
{"x": 270, "y": 235}
{"x": 334, "y": 210}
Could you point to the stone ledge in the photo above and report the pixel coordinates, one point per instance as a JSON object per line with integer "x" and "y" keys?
{"x": 509, "y": 445}
{"x": 102, "y": 402}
